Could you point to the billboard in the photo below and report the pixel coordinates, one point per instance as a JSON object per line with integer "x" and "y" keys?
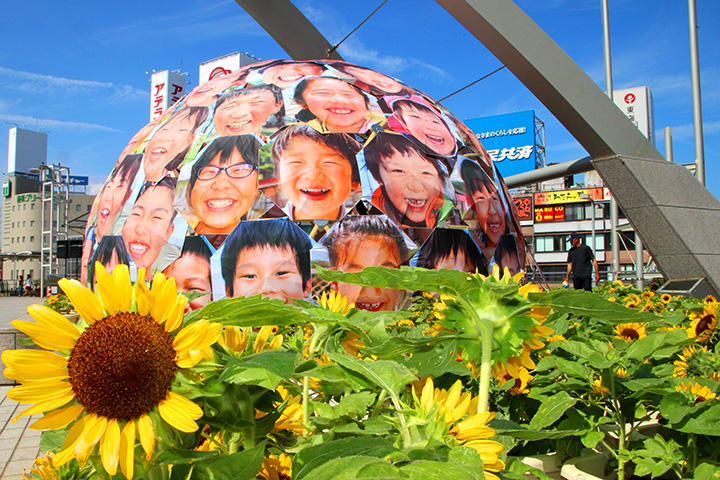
{"x": 571, "y": 196}
{"x": 26, "y": 149}
{"x": 637, "y": 104}
{"x": 224, "y": 65}
{"x": 167, "y": 88}
{"x": 509, "y": 139}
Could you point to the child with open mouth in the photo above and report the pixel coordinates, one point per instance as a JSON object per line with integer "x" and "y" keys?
{"x": 317, "y": 173}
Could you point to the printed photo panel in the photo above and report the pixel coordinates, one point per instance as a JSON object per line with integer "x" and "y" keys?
{"x": 316, "y": 174}
{"x": 409, "y": 186}
{"x": 219, "y": 187}
{"x": 267, "y": 257}
{"x": 359, "y": 241}
{"x": 451, "y": 248}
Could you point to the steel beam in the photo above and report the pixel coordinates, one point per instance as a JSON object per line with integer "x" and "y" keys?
{"x": 676, "y": 217}
{"x": 289, "y": 28}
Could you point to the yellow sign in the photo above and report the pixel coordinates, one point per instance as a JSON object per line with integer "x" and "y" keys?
{"x": 569, "y": 196}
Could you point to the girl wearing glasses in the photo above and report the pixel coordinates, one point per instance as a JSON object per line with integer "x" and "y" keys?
{"x": 224, "y": 183}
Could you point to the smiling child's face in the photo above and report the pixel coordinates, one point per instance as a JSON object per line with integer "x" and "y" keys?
{"x": 166, "y": 143}
{"x": 205, "y": 94}
{"x": 490, "y": 213}
{"x": 429, "y": 129}
{"x": 149, "y": 226}
{"x": 271, "y": 271}
{"x": 412, "y": 184}
{"x": 221, "y": 202}
{"x": 245, "y": 114}
{"x": 315, "y": 178}
{"x": 358, "y": 252}
{"x": 286, "y": 75}
{"x": 335, "y": 103}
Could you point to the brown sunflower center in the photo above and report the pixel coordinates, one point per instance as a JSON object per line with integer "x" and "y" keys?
{"x": 703, "y": 324}
{"x": 630, "y": 333}
{"x": 122, "y": 366}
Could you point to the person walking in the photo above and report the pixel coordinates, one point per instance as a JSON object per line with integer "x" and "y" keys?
{"x": 580, "y": 263}
{"x": 29, "y": 287}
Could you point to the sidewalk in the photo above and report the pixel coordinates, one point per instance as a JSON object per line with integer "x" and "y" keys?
{"x": 19, "y": 446}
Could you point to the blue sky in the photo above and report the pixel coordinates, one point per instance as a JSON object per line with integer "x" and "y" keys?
{"x": 78, "y": 69}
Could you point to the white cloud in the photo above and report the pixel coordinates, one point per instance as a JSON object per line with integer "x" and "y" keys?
{"x": 25, "y": 119}
{"x": 38, "y": 84}
{"x": 207, "y": 22}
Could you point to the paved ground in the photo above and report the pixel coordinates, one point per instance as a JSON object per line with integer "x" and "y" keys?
{"x": 18, "y": 444}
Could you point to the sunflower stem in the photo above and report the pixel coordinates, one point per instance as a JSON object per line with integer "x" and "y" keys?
{"x": 486, "y": 363}
{"x": 306, "y": 400}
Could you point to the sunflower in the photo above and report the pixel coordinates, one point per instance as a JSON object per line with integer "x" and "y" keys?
{"x": 472, "y": 430}
{"x": 335, "y": 302}
{"x": 648, "y": 306}
{"x": 666, "y": 298}
{"x": 98, "y": 382}
{"x": 695, "y": 361}
{"x": 556, "y": 338}
{"x": 710, "y": 300}
{"x": 291, "y": 417}
{"x": 621, "y": 372}
{"x": 520, "y": 375}
{"x": 630, "y": 331}
{"x": 43, "y": 468}
{"x": 704, "y": 323}
{"x": 276, "y": 468}
{"x": 647, "y": 294}
{"x": 597, "y": 387}
{"x": 699, "y": 392}
{"x": 632, "y": 301}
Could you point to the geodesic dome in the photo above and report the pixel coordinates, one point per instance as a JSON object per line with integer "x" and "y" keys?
{"x": 254, "y": 177}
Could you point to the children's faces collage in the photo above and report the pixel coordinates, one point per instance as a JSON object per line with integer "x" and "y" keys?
{"x": 255, "y": 176}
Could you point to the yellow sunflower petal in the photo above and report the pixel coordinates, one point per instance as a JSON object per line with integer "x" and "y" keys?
{"x": 147, "y": 435}
{"x": 189, "y": 358}
{"x": 110, "y": 447}
{"x": 453, "y": 395}
{"x": 180, "y": 412}
{"x": 164, "y": 296}
{"x": 127, "y": 449}
{"x": 43, "y": 336}
{"x": 142, "y": 293}
{"x": 428, "y": 395}
{"x": 93, "y": 432}
{"x": 174, "y": 320}
{"x": 262, "y": 338}
{"x": 58, "y": 419}
{"x": 121, "y": 275}
{"x": 67, "y": 451}
{"x": 46, "y": 406}
{"x": 31, "y": 358}
{"x": 52, "y": 319}
{"x": 26, "y": 375}
{"x": 84, "y": 301}
{"x": 39, "y": 391}
{"x": 107, "y": 289}
{"x": 196, "y": 336}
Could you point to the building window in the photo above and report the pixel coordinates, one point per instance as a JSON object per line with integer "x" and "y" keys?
{"x": 78, "y": 207}
{"x": 13, "y": 208}
{"x": 89, "y": 206}
{"x": 23, "y": 223}
{"x": 32, "y": 223}
{"x": 32, "y": 206}
{"x": 23, "y": 238}
{"x": 575, "y": 212}
{"x": 12, "y": 239}
{"x": 549, "y": 243}
{"x": 13, "y": 225}
{"x": 32, "y": 238}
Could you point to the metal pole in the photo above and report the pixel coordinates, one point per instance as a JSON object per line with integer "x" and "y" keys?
{"x": 639, "y": 263}
{"x": 697, "y": 103}
{"x": 668, "y": 144}
{"x": 594, "y": 244}
{"x": 614, "y": 211}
